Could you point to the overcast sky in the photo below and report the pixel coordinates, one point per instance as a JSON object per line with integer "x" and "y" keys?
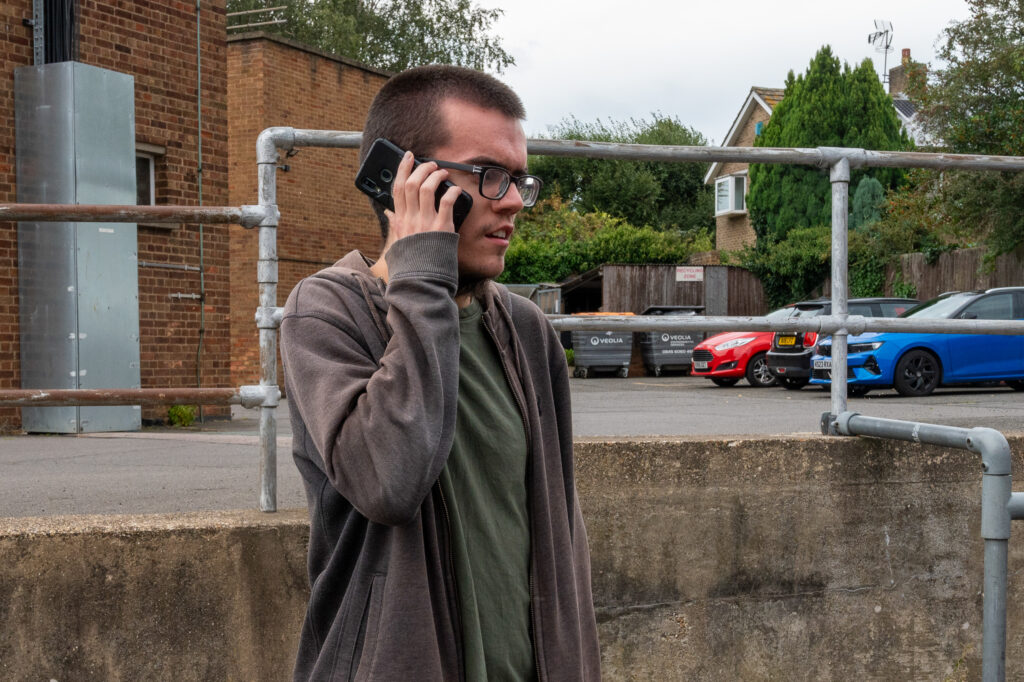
{"x": 693, "y": 60}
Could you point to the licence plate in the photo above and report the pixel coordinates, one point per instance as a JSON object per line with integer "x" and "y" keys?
{"x": 823, "y": 364}
{"x": 787, "y": 340}
{"x": 700, "y": 365}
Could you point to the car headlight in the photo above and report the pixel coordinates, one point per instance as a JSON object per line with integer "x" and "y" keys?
{"x": 864, "y": 347}
{"x": 735, "y": 343}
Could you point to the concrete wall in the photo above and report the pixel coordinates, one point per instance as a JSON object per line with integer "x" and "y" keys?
{"x": 763, "y": 559}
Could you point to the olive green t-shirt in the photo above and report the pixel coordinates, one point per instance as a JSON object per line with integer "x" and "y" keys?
{"x": 484, "y": 485}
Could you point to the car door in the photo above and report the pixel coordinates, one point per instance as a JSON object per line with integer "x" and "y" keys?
{"x": 985, "y": 356}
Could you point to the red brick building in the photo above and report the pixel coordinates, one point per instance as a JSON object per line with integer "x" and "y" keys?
{"x": 155, "y": 41}
{"x": 273, "y": 81}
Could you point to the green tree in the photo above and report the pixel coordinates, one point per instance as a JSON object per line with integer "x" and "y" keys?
{"x": 868, "y": 202}
{"x": 833, "y": 106}
{"x": 975, "y": 105}
{"x": 553, "y": 241}
{"x": 389, "y": 34}
{"x": 664, "y": 196}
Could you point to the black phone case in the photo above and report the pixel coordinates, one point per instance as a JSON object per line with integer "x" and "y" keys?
{"x": 378, "y": 172}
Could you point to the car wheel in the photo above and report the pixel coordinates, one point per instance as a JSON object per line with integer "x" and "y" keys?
{"x": 656, "y": 371}
{"x": 1016, "y": 384}
{"x": 580, "y": 373}
{"x": 624, "y": 372}
{"x": 758, "y": 374}
{"x": 917, "y": 374}
{"x": 793, "y": 384}
{"x": 724, "y": 383}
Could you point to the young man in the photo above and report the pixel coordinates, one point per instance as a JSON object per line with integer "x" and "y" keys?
{"x": 431, "y": 422}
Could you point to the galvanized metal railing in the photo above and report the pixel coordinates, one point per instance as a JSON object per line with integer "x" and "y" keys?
{"x": 265, "y": 217}
{"x": 999, "y": 505}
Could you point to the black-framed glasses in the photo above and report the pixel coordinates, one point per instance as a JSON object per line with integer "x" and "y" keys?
{"x": 495, "y": 181}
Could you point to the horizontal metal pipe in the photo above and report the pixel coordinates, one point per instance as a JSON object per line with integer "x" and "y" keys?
{"x": 90, "y": 213}
{"x": 255, "y": 11}
{"x": 822, "y": 157}
{"x": 824, "y": 324}
{"x": 853, "y": 424}
{"x": 169, "y": 266}
{"x": 120, "y": 396}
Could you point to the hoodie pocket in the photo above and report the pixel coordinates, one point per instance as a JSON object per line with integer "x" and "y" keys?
{"x": 364, "y": 656}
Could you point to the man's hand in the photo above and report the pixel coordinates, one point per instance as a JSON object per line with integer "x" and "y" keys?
{"x": 413, "y": 192}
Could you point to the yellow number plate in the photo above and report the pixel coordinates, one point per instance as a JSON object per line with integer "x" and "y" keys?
{"x": 787, "y": 340}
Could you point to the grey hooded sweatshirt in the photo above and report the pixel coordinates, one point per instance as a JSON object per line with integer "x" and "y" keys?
{"x": 372, "y": 376}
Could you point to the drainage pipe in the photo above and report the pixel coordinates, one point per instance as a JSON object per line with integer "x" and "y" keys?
{"x": 998, "y": 506}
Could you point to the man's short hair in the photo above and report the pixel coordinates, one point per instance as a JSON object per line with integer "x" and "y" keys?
{"x": 407, "y": 110}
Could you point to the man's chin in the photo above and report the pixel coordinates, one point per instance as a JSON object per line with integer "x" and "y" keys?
{"x": 473, "y": 287}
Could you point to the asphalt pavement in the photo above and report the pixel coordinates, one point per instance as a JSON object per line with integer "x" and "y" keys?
{"x": 215, "y": 465}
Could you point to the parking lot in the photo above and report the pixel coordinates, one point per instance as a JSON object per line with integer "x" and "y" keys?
{"x": 693, "y": 406}
{"x": 215, "y": 465}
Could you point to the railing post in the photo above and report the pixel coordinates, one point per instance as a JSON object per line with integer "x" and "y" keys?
{"x": 840, "y": 178}
{"x": 266, "y": 160}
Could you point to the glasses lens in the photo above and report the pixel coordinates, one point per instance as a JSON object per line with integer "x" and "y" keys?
{"x": 529, "y": 189}
{"x": 494, "y": 183}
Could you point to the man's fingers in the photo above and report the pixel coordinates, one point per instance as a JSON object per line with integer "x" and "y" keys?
{"x": 398, "y": 185}
{"x": 445, "y": 209}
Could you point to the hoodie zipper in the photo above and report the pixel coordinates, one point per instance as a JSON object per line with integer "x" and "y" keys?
{"x": 530, "y": 465}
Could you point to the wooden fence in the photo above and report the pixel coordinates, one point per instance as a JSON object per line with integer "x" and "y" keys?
{"x": 961, "y": 270}
{"x": 722, "y": 289}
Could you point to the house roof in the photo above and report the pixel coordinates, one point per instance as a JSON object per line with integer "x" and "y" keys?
{"x": 766, "y": 98}
{"x": 904, "y": 107}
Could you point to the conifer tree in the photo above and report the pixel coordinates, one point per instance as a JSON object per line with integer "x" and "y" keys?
{"x": 828, "y": 106}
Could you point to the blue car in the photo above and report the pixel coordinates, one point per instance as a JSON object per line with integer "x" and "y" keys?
{"x": 916, "y": 364}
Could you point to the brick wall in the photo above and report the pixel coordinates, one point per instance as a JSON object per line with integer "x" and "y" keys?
{"x": 277, "y": 82}
{"x": 733, "y": 232}
{"x": 154, "y": 41}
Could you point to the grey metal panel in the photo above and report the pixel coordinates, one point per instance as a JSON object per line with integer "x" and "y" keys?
{"x": 47, "y": 285}
{"x": 716, "y": 290}
{"x": 78, "y": 281}
{"x": 108, "y": 284}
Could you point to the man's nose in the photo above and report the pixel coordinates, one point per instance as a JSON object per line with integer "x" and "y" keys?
{"x": 512, "y": 201}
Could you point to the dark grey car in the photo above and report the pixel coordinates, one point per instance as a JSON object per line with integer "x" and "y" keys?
{"x": 789, "y": 358}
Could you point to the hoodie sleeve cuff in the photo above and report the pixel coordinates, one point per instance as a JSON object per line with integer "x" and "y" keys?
{"x": 428, "y": 254}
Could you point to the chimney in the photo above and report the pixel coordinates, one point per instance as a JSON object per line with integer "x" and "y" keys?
{"x": 898, "y": 74}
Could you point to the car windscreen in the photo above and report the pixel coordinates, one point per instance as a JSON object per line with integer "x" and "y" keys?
{"x": 941, "y": 307}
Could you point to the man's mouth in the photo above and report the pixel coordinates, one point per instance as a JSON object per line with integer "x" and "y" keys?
{"x": 502, "y": 234}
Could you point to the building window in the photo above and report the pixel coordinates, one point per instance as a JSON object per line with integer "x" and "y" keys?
{"x": 145, "y": 179}
{"x": 147, "y": 156}
{"x": 729, "y": 194}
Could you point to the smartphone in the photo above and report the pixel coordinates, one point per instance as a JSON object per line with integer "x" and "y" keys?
{"x": 378, "y": 171}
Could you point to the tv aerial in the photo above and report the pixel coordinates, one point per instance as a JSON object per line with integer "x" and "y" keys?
{"x": 882, "y": 40}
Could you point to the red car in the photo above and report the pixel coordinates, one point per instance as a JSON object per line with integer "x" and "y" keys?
{"x": 727, "y": 358}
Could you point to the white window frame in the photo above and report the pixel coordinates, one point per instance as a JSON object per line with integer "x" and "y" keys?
{"x": 151, "y": 152}
{"x": 735, "y": 186}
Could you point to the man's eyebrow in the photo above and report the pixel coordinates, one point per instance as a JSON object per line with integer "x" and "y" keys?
{"x": 488, "y": 161}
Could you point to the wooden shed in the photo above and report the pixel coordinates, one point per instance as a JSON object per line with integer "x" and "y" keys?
{"x": 721, "y": 289}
